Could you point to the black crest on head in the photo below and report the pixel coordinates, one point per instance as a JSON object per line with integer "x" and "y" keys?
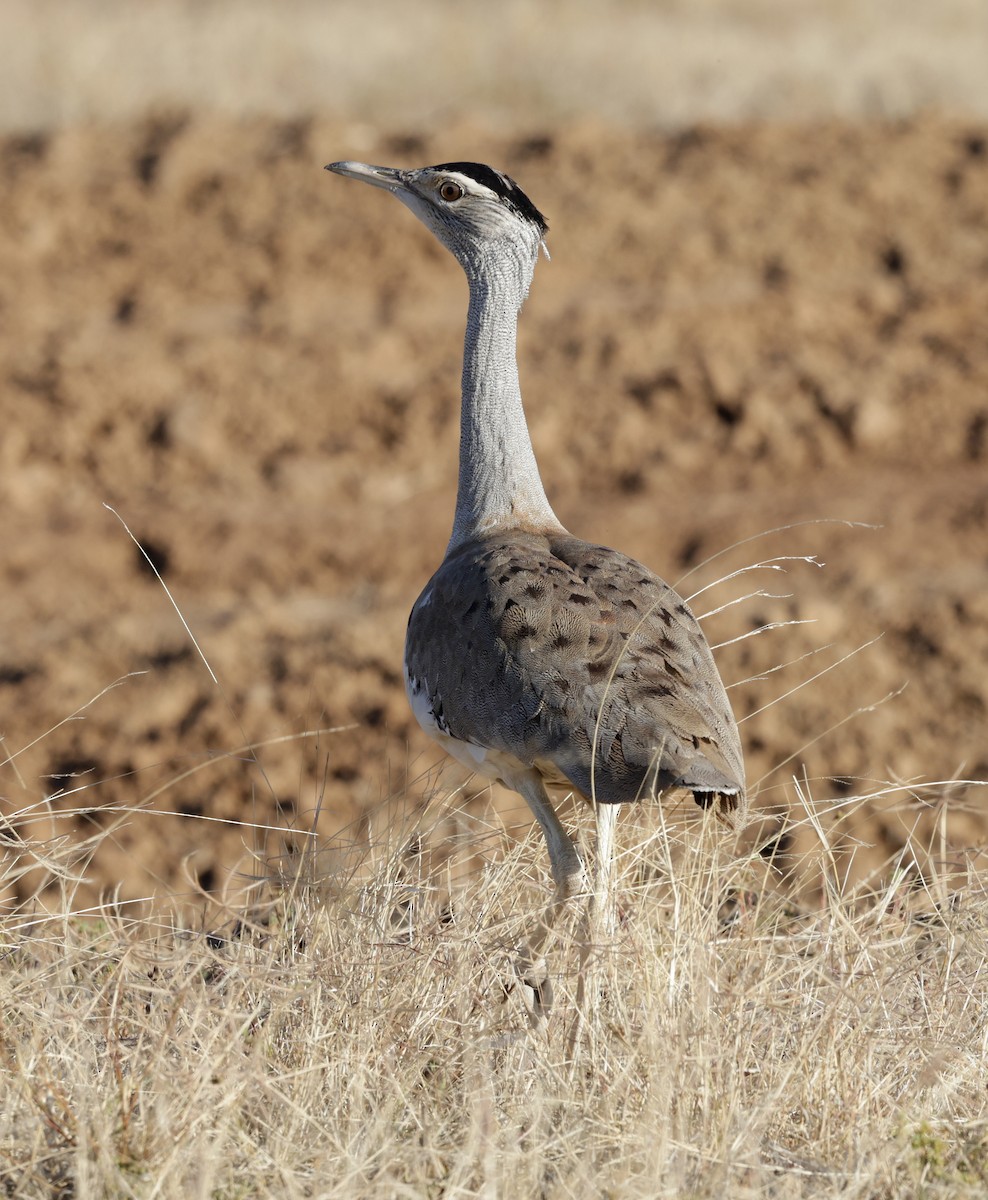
{"x": 503, "y": 186}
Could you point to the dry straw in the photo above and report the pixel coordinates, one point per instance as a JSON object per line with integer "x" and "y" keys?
{"x": 355, "y": 1031}
{"x": 358, "y": 1035}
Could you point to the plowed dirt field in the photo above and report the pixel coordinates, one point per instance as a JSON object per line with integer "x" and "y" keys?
{"x": 256, "y": 365}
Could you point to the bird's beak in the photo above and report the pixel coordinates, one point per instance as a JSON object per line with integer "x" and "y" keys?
{"x": 389, "y": 178}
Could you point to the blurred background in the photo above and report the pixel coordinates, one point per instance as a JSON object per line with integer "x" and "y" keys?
{"x": 514, "y": 64}
{"x": 761, "y": 340}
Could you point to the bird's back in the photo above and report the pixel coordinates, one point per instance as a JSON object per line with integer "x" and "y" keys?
{"x": 578, "y": 660}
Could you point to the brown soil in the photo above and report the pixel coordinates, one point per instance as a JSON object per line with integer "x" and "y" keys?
{"x": 257, "y": 366}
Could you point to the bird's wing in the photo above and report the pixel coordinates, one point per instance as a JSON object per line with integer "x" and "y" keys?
{"x": 573, "y": 655}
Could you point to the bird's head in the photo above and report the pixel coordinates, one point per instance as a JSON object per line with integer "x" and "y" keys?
{"x": 470, "y": 207}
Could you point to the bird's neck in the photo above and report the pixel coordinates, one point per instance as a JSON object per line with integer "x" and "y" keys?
{"x": 499, "y": 486}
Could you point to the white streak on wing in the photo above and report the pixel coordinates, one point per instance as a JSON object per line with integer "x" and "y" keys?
{"x": 489, "y": 763}
{"x": 418, "y": 698}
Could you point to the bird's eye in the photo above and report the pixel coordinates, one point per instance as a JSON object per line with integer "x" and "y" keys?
{"x": 450, "y": 191}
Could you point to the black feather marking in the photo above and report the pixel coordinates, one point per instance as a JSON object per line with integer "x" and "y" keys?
{"x": 501, "y": 185}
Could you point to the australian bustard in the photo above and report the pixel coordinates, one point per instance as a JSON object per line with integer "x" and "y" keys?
{"x": 532, "y": 657}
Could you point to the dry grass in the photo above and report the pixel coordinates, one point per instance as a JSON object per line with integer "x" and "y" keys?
{"x": 354, "y": 1035}
{"x": 354, "y": 1028}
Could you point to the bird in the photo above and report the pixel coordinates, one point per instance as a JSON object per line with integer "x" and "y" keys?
{"x": 534, "y": 658}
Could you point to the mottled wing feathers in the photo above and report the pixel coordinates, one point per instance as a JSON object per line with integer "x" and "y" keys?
{"x": 662, "y": 704}
{"x": 579, "y": 660}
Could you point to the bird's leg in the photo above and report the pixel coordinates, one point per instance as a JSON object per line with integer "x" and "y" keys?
{"x": 602, "y": 911}
{"x": 570, "y": 879}
{"x": 599, "y": 920}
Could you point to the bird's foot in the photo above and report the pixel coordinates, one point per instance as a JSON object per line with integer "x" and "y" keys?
{"x": 571, "y": 878}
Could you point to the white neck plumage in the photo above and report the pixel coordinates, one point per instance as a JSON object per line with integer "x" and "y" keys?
{"x": 499, "y": 485}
